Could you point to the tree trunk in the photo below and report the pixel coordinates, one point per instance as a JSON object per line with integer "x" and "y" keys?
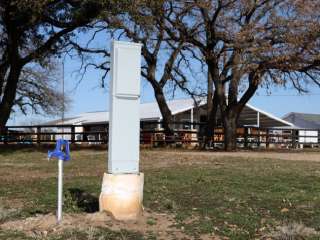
{"x": 209, "y": 109}
{"x": 209, "y": 96}
{"x": 15, "y": 65}
{"x": 230, "y": 132}
{"x": 9, "y": 95}
{"x": 164, "y": 109}
{"x": 211, "y": 122}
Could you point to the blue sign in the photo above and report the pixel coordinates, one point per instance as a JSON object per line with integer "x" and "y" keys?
{"x": 62, "y": 150}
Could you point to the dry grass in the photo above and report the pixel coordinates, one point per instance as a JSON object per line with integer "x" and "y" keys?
{"x": 226, "y": 195}
{"x": 293, "y": 231}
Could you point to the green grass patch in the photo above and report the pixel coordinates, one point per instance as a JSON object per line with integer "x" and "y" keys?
{"x": 239, "y": 198}
{"x": 233, "y": 197}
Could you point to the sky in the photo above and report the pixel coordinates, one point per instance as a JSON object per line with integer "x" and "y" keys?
{"x": 89, "y": 96}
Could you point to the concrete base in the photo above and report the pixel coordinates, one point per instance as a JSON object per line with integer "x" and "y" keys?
{"x": 122, "y": 195}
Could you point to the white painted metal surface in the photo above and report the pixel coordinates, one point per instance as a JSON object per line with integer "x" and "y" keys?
{"x": 60, "y": 190}
{"x": 124, "y": 124}
{"x": 308, "y": 136}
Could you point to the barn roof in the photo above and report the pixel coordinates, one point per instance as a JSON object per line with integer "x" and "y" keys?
{"x": 150, "y": 111}
{"x": 304, "y": 120}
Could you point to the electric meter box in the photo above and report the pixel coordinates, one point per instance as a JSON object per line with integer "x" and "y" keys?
{"x": 124, "y": 122}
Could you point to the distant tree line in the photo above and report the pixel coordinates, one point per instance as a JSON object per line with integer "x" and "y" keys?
{"x": 237, "y": 46}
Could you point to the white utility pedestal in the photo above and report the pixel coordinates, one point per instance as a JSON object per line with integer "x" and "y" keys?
{"x": 122, "y": 187}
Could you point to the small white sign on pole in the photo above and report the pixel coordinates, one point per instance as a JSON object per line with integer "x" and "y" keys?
{"x": 124, "y": 129}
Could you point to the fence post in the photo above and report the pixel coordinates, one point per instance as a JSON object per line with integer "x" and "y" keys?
{"x": 267, "y": 138}
{"x": 38, "y": 135}
{"x": 5, "y": 134}
{"x": 293, "y": 139}
{"x": 212, "y": 137}
{"x": 245, "y": 137}
{"x": 72, "y": 134}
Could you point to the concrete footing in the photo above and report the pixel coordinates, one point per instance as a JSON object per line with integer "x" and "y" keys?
{"x": 122, "y": 195}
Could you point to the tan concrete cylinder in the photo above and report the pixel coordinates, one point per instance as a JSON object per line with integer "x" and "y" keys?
{"x": 122, "y": 195}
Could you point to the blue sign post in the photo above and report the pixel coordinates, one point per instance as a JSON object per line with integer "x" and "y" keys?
{"x": 62, "y": 153}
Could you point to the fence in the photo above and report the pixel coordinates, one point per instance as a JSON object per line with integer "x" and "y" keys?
{"x": 185, "y": 134}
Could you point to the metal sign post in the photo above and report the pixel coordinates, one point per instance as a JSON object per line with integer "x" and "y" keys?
{"x": 60, "y": 190}
{"x": 62, "y": 153}
{"x": 122, "y": 186}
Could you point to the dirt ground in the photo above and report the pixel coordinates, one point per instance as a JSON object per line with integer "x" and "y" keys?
{"x": 162, "y": 158}
{"x": 161, "y": 225}
{"x": 302, "y": 156}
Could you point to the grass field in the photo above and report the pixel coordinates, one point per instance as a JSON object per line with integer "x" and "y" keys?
{"x": 188, "y": 195}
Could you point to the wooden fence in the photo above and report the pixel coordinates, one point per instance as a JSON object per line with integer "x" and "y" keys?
{"x": 190, "y": 135}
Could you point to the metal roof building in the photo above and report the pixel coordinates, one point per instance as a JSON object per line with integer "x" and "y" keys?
{"x": 303, "y": 120}
{"x": 182, "y": 110}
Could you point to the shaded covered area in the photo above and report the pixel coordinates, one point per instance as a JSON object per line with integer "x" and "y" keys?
{"x": 251, "y": 116}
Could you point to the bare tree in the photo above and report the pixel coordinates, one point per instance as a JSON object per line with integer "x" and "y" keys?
{"x": 38, "y": 91}
{"x": 31, "y": 32}
{"x": 143, "y": 23}
{"x": 249, "y": 44}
